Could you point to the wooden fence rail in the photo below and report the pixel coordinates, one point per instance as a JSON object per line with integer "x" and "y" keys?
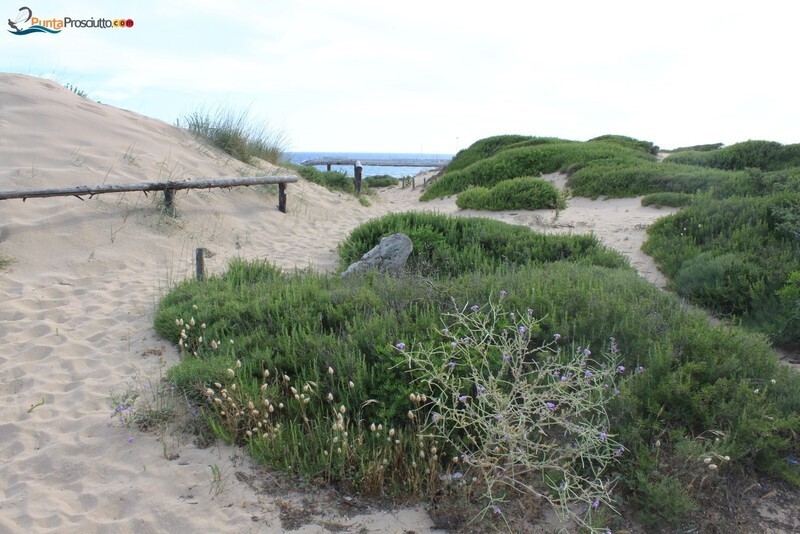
{"x": 168, "y": 188}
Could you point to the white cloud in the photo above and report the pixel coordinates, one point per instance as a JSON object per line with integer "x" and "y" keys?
{"x": 423, "y": 73}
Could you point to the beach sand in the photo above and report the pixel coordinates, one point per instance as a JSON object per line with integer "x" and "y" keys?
{"x": 80, "y": 295}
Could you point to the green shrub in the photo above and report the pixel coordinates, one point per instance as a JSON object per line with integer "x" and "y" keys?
{"x": 483, "y": 149}
{"x": 733, "y": 255}
{"x": 335, "y": 342}
{"x": 531, "y": 161}
{"x": 331, "y": 180}
{"x": 764, "y": 155}
{"x": 236, "y": 133}
{"x": 625, "y": 179}
{"x": 524, "y": 193}
{"x": 725, "y": 283}
{"x": 627, "y": 142}
{"x": 698, "y": 148}
{"x": 450, "y": 246}
{"x": 380, "y": 181}
{"x": 674, "y": 200}
{"x": 474, "y": 198}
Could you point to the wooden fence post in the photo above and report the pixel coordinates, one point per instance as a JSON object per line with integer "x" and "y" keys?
{"x": 200, "y": 263}
{"x": 282, "y": 198}
{"x": 357, "y": 170}
{"x": 169, "y": 200}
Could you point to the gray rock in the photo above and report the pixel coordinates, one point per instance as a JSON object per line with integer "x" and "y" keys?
{"x": 389, "y": 256}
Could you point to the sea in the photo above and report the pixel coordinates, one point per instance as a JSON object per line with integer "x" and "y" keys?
{"x": 395, "y": 172}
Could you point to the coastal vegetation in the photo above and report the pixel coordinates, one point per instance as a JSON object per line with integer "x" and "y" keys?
{"x": 339, "y": 181}
{"x": 505, "y": 365}
{"x": 353, "y": 380}
{"x": 236, "y": 133}
{"x": 733, "y": 250}
{"x": 526, "y": 193}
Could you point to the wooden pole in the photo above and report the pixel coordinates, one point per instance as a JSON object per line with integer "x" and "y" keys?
{"x": 169, "y": 201}
{"x": 200, "y": 263}
{"x": 282, "y": 198}
{"x": 357, "y": 170}
{"x": 91, "y": 190}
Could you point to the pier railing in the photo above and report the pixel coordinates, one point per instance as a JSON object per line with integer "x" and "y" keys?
{"x": 406, "y": 162}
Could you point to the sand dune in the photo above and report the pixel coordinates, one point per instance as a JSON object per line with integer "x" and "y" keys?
{"x": 79, "y": 297}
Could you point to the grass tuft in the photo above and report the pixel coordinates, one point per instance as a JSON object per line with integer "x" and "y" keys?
{"x": 237, "y": 134}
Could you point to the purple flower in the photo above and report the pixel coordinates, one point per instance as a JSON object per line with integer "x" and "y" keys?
{"x": 130, "y": 440}
{"x": 503, "y": 294}
{"x": 556, "y": 336}
{"x": 474, "y": 308}
{"x": 480, "y": 389}
{"x": 550, "y": 405}
{"x": 436, "y": 417}
{"x": 621, "y": 368}
{"x": 496, "y": 509}
{"x": 401, "y": 346}
{"x": 445, "y": 331}
{"x": 463, "y": 398}
{"x": 530, "y": 311}
{"x": 588, "y": 374}
{"x": 603, "y": 436}
{"x": 522, "y": 329}
{"x": 587, "y": 352}
{"x": 506, "y": 357}
{"x": 453, "y": 344}
{"x": 639, "y": 369}
{"x": 619, "y": 451}
{"x": 595, "y": 503}
{"x": 451, "y": 364}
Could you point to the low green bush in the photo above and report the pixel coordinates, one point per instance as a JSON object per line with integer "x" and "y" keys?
{"x": 531, "y": 161}
{"x": 383, "y": 180}
{"x": 482, "y": 149}
{"x": 524, "y": 193}
{"x": 673, "y": 200}
{"x": 764, "y": 155}
{"x": 698, "y": 148}
{"x": 308, "y": 371}
{"x": 474, "y": 198}
{"x": 450, "y": 246}
{"x": 734, "y": 255}
{"x": 627, "y": 142}
{"x": 332, "y": 180}
{"x": 626, "y": 179}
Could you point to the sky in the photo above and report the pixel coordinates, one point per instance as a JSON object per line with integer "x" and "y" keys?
{"x": 435, "y": 76}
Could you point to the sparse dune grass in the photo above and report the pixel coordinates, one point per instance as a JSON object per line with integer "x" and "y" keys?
{"x": 236, "y": 133}
{"x": 354, "y": 380}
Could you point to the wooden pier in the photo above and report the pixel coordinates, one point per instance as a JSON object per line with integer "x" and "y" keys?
{"x": 409, "y": 162}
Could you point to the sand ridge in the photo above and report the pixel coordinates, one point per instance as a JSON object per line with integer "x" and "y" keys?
{"x": 79, "y": 299}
